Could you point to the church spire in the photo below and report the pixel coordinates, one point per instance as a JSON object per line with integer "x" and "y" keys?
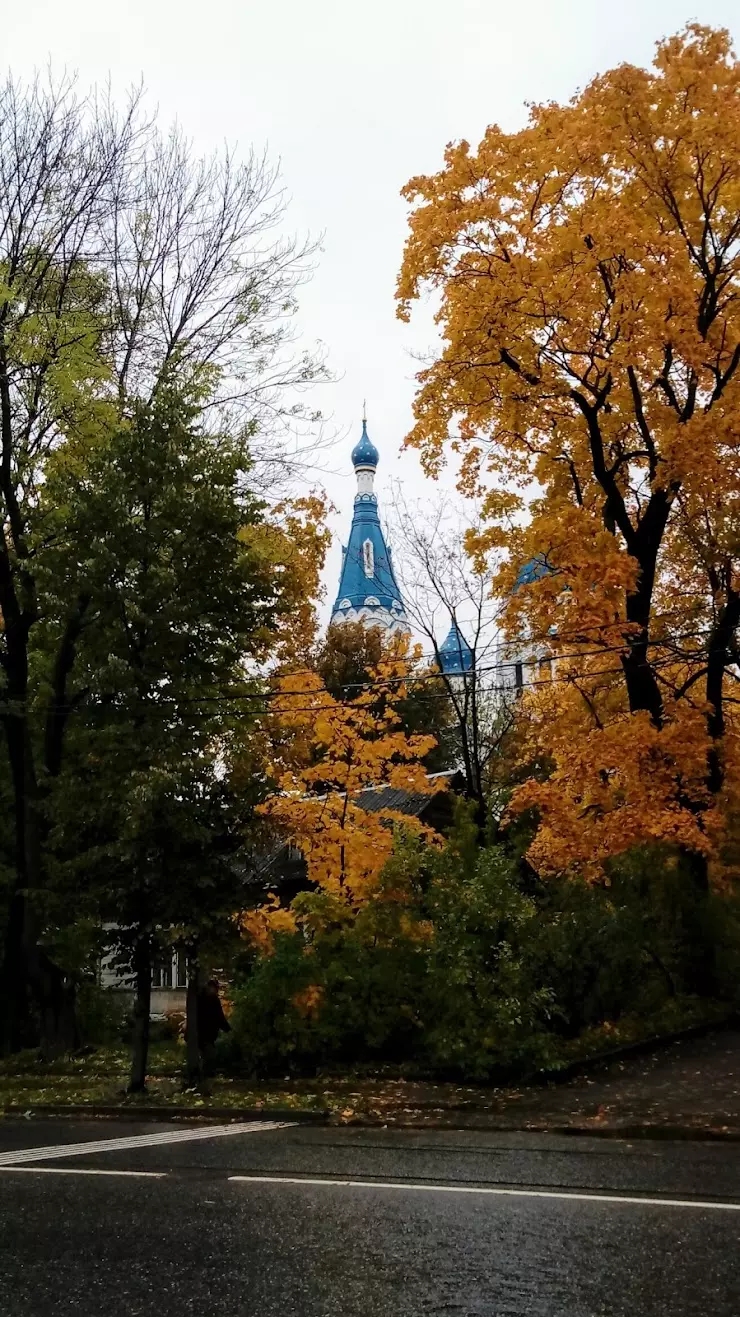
{"x": 455, "y": 654}
{"x": 368, "y": 590}
{"x": 365, "y": 458}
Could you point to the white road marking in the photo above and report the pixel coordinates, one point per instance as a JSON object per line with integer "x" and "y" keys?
{"x": 495, "y": 1192}
{"x": 86, "y": 1148}
{"x": 77, "y": 1170}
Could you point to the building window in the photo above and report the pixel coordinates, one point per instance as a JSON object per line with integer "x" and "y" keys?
{"x": 170, "y": 970}
{"x": 162, "y": 971}
{"x": 367, "y": 557}
{"x": 519, "y": 677}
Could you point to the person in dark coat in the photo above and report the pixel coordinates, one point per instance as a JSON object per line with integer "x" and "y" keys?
{"x": 211, "y": 1018}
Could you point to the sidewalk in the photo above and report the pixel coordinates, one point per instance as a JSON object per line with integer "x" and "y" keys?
{"x": 686, "y": 1089}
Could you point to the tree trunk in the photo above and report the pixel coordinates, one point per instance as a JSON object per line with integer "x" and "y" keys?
{"x": 18, "y": 1027}
{"x": 699, "y": 948}
{"x": 719, "y": 656}
{"x": 193, "y": 1057}
{"x": 142, "y": 1009}
{"x": 38, "y": 1000}
{"x": 59, "y": 1029}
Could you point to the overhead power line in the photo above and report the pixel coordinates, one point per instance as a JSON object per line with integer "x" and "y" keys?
{"x": 170, "y": 707}
{"x": 416, "y": 679}
{"x": 543, "y": 638}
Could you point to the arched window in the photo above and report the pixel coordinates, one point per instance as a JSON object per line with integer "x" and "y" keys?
{"x": 367, "y": 557}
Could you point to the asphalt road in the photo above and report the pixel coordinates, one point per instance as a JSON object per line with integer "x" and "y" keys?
{"x": 416, "y": 1224}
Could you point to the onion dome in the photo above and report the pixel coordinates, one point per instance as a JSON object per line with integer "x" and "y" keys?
{"x": 455, "y": 654}
{"x": 532, "y": 571}
{"x": 368, "y": 590}
{"x": 364, "y": 452}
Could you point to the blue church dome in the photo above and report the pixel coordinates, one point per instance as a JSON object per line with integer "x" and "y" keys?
{"x": 532, "y": 571}
{"x": 368, "y": 589}
{"x": 364, "y": 452}
{"x": 455, "y": 654}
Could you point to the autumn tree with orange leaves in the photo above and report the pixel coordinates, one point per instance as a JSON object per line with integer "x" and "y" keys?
{"x": 326, "y": 751}
{"x": 588, "y": 275}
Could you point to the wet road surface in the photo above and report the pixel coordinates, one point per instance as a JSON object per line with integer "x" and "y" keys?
{"x": 116, "y": 1219}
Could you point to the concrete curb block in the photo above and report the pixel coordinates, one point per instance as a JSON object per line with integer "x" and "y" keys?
{"x": 215, "y": 1114}
{"x": 677, "y": 1133}
{"x": 662, "y": 1133}
{"x": 633, "y": 1130}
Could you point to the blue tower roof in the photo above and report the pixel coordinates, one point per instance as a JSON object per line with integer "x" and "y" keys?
{"x": 532, "y": 571}
{"x": 455, "y": 654}
{"x": 367, "y": 584}
{"x": 364, "y": 452}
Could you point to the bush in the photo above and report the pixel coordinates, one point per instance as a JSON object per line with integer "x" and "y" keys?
{"x": 428, "y": 974}
{"x": 342, "y": 989}
{"x": 454, "y": 970}
{"x": 102, "y": 1016}
{"x": 486, "y": 1012}
{"x": 630, "y": 947}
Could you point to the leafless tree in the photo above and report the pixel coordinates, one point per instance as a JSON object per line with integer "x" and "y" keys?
{"x": 124, "y": 257}
{"x": 443, "y": 591}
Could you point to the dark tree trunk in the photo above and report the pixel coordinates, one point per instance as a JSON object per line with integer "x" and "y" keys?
{"x": 193, "y": 1056}
{"x": 142, "y": 1010}
{"x": 473, "y": 757}
{"x": 719, "y": 651}
{"x": 38, "y": 1000}
{"x": 699, "y": 943}
{"x": 643, "y": 690}
{"x": 18, "y": 1025}
{"x": 59, "y": 1028}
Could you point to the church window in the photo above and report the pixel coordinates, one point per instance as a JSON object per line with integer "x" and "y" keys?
{"x": 367, "y": 557}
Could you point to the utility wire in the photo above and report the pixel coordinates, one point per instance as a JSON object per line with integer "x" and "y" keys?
{"x": 416, "y": 679}
{"x": 547, "y": 637}
{"x": 167, "y": 702}
{"x": 169, "y": 707}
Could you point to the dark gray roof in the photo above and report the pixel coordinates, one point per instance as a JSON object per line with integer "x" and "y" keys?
{"x": 281, "y": 867}
{"x": 377, "y": 799}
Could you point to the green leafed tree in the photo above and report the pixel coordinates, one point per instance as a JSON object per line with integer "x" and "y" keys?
{"x": 128, "y": 268}
{"x": 158, "y": 534}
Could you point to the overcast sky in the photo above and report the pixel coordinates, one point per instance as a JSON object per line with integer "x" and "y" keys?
{"x": 353, "y": 99}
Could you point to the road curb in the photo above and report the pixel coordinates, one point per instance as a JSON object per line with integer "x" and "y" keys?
{"x": 215, "y": 1114}
{"x": 675, "y": 1133}
{"x": 629, "y": 1130}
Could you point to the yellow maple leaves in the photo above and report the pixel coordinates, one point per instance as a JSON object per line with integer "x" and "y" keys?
{"x": 588, "y": 274}
{"x": 294, "y": 540}
{"x": 327, "y": 751}
{"x": 261, "y": 924}
{"x": 616, "y": 781}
